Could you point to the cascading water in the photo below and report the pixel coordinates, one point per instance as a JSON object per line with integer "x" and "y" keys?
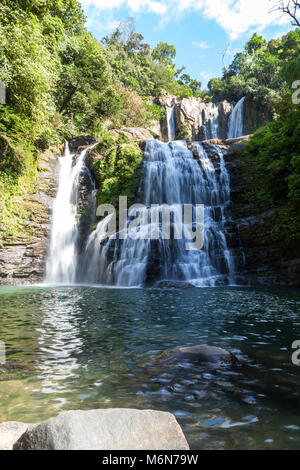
{"x": 209, "y": 122}
{"x": 172, "y": 177}
{"x": 61, "y": 267}
{"x": 171, "y": 123}
{"x": 213, "y": 123}
{"x": 236, "y": 120}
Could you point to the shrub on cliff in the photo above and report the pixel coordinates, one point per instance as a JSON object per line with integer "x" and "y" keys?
{"x": 275, "y": 153}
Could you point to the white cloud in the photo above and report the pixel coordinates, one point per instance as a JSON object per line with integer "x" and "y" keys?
{"x": 159, "y": 7}
{"x": 234, "y": 16}
{"x": 206, "y": 75}
{"x": 240, "y": 16}
{"x": 201, "y": 45}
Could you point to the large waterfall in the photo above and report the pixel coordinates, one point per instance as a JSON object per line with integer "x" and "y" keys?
{"x": 236, "y": 120}
{"x": 172, "y": 177}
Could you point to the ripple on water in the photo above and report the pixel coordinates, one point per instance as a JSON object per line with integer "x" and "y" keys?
{"x": 85, "y": 348}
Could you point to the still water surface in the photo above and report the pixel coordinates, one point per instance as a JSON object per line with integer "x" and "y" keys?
{"x": 85, "y": 347}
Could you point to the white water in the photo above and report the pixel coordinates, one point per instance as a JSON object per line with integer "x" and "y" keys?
{"x": 236, "y": 120}
{"x": 61, "y": 265}
{"x": 173, "y": 177}
{"x": 171, "y": 123}
{"x": 213, "y": 123}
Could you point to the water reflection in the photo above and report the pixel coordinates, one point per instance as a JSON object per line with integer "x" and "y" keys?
{"x": 81, "y": 347}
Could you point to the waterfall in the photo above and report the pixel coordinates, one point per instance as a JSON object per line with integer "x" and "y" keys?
{"x": 173, "y": 177}
{"x": 171, "y": 123}
{"x": 213, "y": 122}
{"x": 61, "y": 267}
{"x": 209, "y": 122}
{"x": 236, "y": 120}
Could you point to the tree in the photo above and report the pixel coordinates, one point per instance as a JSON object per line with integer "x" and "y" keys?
{"x": 193, "y": 84}
{"x": 164, "y": 53}
{"x": 291, "y": 8}
{"x": 256, "y": 42}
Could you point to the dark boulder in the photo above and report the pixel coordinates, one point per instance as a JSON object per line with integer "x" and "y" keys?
{"x": 198, "y": 355}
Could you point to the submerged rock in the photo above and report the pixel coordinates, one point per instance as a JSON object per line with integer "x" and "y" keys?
{"x": 173, "y": 285}
{"x": 198, "y": 354}
{"x": 10, "y": 432}
{"x": 111, "y": 429}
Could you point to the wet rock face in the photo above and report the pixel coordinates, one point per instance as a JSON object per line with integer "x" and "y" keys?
{"x": 256, "y": 116}
{"x": 260, "y": 257}
{"x": 22, "y": 261}
{"x": 80, "y": 142}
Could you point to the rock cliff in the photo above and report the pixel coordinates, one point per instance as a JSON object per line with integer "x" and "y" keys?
{"x": 22, "y": 258}
{"x": 263, "y": 258}
{"x": 196, "y": 119}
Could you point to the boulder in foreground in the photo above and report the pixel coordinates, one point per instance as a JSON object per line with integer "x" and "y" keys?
{"x": 9, "y": 433}
{"x": 111, "y": 429}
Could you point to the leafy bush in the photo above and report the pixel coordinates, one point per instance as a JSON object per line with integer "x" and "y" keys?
{"x": 117, "y": 168}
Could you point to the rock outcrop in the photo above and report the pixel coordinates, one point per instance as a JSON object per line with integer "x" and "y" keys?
{"x": 196, "y": 119}
{"x": 111, "y": 429}
{"x": 260, "y": 256}
{"x": 22, "y": 258}
{"x": 134, "y": 133}
{"x": 255, "y": 115}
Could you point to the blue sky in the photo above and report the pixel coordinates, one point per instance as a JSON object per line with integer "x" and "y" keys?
{"x": 199, "y": 29}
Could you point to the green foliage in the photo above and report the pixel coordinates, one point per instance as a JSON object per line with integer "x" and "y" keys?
{"x": 117, "y": 167}
{"x": 183, "y": 133}
{"x": 275, "y": 155}
{"x": 164, "y": 53}
{"x": 147, "y": 71}
{"x": 18, "y": 170}
{"x": 263, "y": 70}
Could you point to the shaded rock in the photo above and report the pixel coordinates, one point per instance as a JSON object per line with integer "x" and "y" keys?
{"x": 237, "y": 140}
{"x": 10, "y": 432}
{"x": 82, "y": 141}
{"x": 198, "y": 354}
{"x": 133, "y": 133}
{"x": 111, "y": 429}
{"x": 263, "y": 256}
{"x": 255, "y": 115}
{"x": 237, "y": 146}
{"x": 173, "y": 285}
{"x": 22, "y": 258}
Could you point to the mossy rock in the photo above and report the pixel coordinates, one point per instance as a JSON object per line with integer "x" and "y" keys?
{"x": 116, "y": 164}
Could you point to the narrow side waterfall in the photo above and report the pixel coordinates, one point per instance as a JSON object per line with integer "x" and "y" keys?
{"x": 171, "y": 123}
{"x": 209, "y": 122}
{"x": 61, "y": 267}
{"x": 172, "y": 177}
{"x": 236, "y": 120}
{"x": 213, "y": 123}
